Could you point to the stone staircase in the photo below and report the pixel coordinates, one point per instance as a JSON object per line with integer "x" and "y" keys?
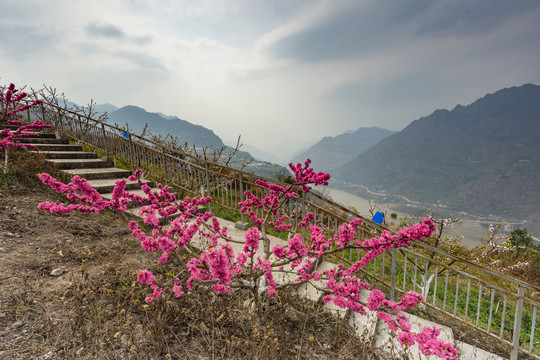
{"x": 71, "y": 160}
{"x": 102, "y": 175}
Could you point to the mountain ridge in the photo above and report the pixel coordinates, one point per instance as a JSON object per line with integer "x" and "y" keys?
{"x": 137, "y": 118}
{"x": 483, "y": 158}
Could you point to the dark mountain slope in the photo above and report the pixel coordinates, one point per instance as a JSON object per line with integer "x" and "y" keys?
{"x": 483, "y": 158}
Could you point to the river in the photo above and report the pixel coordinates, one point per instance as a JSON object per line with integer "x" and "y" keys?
{"x": 474, "y": 231}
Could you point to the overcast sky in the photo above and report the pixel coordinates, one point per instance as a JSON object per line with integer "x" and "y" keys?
{"x": 270, "y": 69}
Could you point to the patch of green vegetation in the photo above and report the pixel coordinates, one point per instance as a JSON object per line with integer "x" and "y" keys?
{"x": 6, "y": 179}
{"x": 226, "y": 213}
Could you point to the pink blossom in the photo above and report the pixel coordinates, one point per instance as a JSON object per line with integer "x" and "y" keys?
{"x": 327, "y": 298}
{"x": 177, "y": 290}
{"x": 410, "y": 300}
{"x": 296, "y": 246}
{"x": 374, "y": 300}
{"x": 217, "y": 267}
{"x": 279, "y": 251}
{"x": 145, "y": 277}
{"x": 406, "y": 338}
{"x": 252, "y": 237}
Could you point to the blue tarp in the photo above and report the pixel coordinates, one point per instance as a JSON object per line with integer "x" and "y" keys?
{"x": 378, "y": 218}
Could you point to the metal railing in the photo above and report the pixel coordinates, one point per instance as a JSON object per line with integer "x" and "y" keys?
{"x": 190, "y": 173}
{"x": 492, "y": 303}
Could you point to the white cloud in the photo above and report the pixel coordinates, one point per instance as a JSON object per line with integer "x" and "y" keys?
{"x": 273, "y": 69}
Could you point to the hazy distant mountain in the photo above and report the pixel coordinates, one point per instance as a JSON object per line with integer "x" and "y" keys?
{"x": 186, "y": 132}
{"x": 331, "y": 153}
{"x": 97, "y": 109}
{"x": 137, "y": 117}
{"x": 258, "y": 153}
{"x": 102, "y": 108}
{"x": 166, "y": 116}
{"x": 482, "y": 158}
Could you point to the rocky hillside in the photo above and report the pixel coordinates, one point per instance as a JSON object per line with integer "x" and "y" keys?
{"x": 482, "y": 158}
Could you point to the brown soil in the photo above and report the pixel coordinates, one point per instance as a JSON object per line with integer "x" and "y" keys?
{"x": 95, "y": 308}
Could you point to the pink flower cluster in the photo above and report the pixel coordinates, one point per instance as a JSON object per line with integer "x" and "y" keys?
{"x": 252, "y": 236}
{"x": 12, "y": 96}
{"x": 274, "y": 200}
{"x": 146, "y": 277}
{"x": 377, "y": 245}
{"x": 305, "y": 175}
{"x": 9, "y": 138}
{"x": 218, "y": 267}
{"x": 269, "y": 204}
{"x": 429, "y": 344}
{"x": 427, "y": 339}
{"x": 78, "y": 190}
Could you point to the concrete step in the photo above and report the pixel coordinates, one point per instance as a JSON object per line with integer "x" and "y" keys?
{"x": 67, "y": 154}
{"x": 79, "y": 163}
{"x": 10, "y": 127}
{"x": 104, "y": 186}
{"x": 41, "y": 135}
{"x": 57, "y": 147}
{"x": 45, "y": 140}
{"x": 99, "y": 173}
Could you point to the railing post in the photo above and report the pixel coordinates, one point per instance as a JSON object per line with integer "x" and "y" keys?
{"x": 26, "y": 102}
{"x": 61, "y": 122}
{"x": 81, "y": 130}
{"x": 241, "y": 195}
{"x": 165, "y": 172}
{"x": 303, "y": 213}
{"x": 132, "y": 152}
{"x": 207, "y": 174}
{"x": 43, "y": 113}
{"x": 517, "y": 323}
{"x": 393, "y": 276}
{"x": 105, "y": 145}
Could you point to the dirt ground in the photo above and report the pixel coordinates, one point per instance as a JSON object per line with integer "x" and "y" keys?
{"x": 68, "y": 290}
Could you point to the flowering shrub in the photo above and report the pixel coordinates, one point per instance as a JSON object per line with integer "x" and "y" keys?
{"x": 223, "y": 269}
{"x": 11, "y": 97}
{"x": 9, "y": 138}
{"x": 500, "y": 253}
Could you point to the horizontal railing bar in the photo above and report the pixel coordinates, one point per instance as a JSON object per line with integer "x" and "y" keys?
{"x": 438, "y": 263}
{"x": 473, "y": 264}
